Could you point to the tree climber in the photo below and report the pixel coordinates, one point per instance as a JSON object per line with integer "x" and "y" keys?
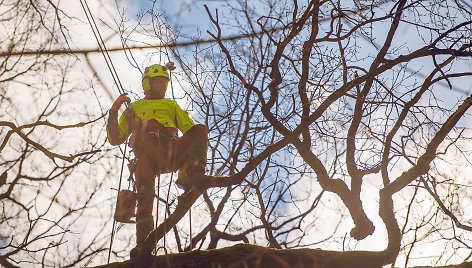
{"x": 153, "y": 123}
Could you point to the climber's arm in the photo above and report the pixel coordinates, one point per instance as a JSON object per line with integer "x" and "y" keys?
{"x": 117, "y": 132}
{"x": 184, "y": 122}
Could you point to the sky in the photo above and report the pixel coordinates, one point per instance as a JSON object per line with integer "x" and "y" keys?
{"x": 193, "y": 17}
{"x": 178, "y": 11}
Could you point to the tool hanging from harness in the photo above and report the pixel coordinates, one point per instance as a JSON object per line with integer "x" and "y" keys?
{"x": 126, "y": 200}
{"x": 149, "y": 133}
{"x": 125, "y": 206}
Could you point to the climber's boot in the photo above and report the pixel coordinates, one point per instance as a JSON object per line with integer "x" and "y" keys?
{"x": 183, "y": 181}
{"x": 144, "y": 225}
{"x": 193, "y": 168}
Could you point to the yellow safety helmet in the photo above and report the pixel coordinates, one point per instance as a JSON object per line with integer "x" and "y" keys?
{"x": 154, "y": 71}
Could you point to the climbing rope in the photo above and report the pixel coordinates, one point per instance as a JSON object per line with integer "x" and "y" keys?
{"x": 157, "y": 214}
{"x": 119, "y": 189}
{"x": 101, "y": 45}
{"x": 166, "y": 48}
{"x": 116, "y": 79}
{"x": 166, "y": 211}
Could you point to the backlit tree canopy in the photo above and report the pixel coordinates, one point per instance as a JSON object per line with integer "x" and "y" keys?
{"x": 337, "y": 127}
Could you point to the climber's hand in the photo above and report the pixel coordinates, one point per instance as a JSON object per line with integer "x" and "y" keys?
{"x": 117, "y": 104}
{"x": 130, "y": 112}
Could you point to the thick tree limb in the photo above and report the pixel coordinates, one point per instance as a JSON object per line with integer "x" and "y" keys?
{"x": 246, "y": 255}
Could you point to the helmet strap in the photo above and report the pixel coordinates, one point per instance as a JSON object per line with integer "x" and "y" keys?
{"x": 151, "y": 95}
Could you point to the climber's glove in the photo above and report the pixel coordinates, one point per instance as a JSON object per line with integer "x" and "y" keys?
{"x": 120, "y": 100}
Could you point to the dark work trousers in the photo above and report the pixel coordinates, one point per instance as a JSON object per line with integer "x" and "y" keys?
{"x": 157, "y": 155}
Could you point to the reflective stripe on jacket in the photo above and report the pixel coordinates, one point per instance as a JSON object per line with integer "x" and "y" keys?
{"x": 165, "y": 111}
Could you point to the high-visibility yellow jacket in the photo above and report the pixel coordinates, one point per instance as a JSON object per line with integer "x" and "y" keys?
{"x": 165, "y": 111}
